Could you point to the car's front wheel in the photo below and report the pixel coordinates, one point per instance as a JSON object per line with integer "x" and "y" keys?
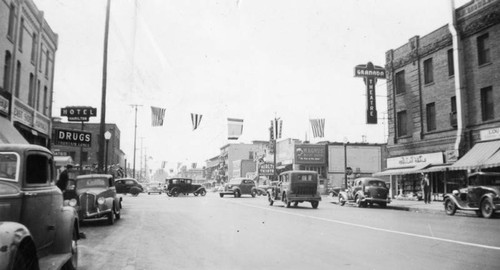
{"x": 237, "y": 194}
{"x": 254, "y": 193}
{"x": 449, "y": 207}
{"x": 359, "y": 202}
{"x": 111, "y": 218}
{"x": 341, "y": 200}
{"x": 203, "y": 192}
{"x": 314, "y": 204}
{"x": 487, "y": 208}
{"x": 221, "y": 195}
{"x": 72, "y": 263}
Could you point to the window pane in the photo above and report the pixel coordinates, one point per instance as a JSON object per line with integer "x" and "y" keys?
{"x": 483, "y": 50}
{"x": 400, "y": 82}
{"x": 451, "y": 68}
{"x": 428, "y": 71}
{"x": 431, "y": 116}
{"x": 402, "y": 124}
{"x": 487, "y": 105}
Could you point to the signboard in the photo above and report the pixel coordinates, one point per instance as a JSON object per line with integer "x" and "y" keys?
{"x": 266, "y": 169}
{"x": 78, "y": 114}
{"x": 72, "y": 138}
{"x": 370, "y": 74}
{"x": 310, "y": 154}
{"x": 4, "y": 105}
{"x": 408, "y": 161}
{"x": 489, "y": 134}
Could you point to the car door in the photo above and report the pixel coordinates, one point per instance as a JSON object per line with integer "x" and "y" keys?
{"x": 120, "y": 186}
{"x": 42, "y": 199}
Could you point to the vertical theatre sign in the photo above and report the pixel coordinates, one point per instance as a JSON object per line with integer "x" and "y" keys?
{"x": 370, "y": 74}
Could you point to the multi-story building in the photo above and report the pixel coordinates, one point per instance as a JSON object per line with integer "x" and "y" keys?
{"x": 27, "y": 46}
{"x": 232, "y": 152}
{"x": 88, "y": 156}
{"x": 444, "y": 99}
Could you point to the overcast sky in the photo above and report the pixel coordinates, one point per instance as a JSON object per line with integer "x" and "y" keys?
{"x": 248, "y": 59}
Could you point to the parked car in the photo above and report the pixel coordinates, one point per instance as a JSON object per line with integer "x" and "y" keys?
{"x": 96, "y": 198}
{"x": 239, "y": 186}
{"x": 295, "y": 187}
{"x": 176, "y": 186}
{"x": 366, "y": 191}
{"x": 128, "y": 186}
{"x": 481, "y": 195}
{"x": 36, "y": 230}
{"x": 154, "y": 187}
{"x": 262, "y": 190}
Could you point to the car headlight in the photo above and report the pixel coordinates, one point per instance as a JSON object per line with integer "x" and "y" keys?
{"x": 72, "y": 202}
{"x": 100, "y": 200}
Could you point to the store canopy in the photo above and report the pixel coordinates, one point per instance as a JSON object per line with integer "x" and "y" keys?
{"x": 493, "y": 161}
{"x": 477, "y": 156}
{"x": 436, "y": 168}
{"x": 9, "y": 134}
{"x": 401, "y": 171}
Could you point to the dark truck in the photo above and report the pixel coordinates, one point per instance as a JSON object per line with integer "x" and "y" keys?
{"x": 176, "y": 186}
{"x": 295, "y": 187}
{"x": 36, "y": 230}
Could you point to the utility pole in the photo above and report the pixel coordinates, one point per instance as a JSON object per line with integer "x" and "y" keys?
{"x": 102, "y": 126}
{"x": 135, "y": 137}
{"x": 140, "y": 174}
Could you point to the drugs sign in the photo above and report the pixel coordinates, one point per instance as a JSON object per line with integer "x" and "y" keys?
{"x": 72, "y": 138}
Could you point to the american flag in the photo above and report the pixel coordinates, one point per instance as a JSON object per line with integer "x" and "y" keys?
{"x": 196, "y": 120}
{"x": 157, "y": 115}
{"x": 318, "y": 127}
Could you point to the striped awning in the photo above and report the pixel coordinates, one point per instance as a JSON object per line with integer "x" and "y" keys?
{"x": 478, "y": 156}
{"x": 436, "y": 168}
{"x": 9, "y": 134}
{"x": 401, "y": 171}
{"x": 493, "y": 161}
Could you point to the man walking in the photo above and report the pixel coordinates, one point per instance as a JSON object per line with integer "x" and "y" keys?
{"x": 426, "y": 188}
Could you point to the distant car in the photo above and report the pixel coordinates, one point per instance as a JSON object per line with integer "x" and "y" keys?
{"x": 176, "y": 186}
{"x": 481, "y": 195}
{"x": 36, "y": 230}
{"x": 96, "y": 198}
{"x": 366, "y": 191}
{"x": 128, "y": 186}
{"x": 238, "y": 187}
{"x": 155, "y": 187}
{"x": 296, "y": 186}
{"x": 262, "y": 190}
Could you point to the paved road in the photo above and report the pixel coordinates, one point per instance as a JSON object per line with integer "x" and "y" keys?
{"x": 187, "y": 232}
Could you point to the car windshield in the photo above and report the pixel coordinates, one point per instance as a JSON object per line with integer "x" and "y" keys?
{"x": 9, "y": 163}
{"x": 234, "y": 181}
{"x": 376, "y": 183}
{"x": 92, "y": 182}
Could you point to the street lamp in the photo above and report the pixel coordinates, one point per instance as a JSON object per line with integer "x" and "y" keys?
{"x": 107, "y": 136}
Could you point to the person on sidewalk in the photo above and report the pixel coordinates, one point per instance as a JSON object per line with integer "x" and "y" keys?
{"x": 426, "y": 188}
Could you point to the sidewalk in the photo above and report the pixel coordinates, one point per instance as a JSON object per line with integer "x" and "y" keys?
{"x": 405, "y": 205}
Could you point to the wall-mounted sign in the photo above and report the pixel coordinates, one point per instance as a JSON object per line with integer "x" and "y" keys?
{"x": 370, "y": 73}
{"x": 490, "y": 134}
{"x": 310, "y": 154}
{"x": 78, "y": 114}
{"x": 4, "y": 105}
{"x": 72, "y": 138}
{"x": 266, "y": 169}
{"x": 409, "y": 161}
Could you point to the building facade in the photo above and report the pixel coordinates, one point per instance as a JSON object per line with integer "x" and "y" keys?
{"x": 232, "y": 152}
{"x": 443, "y": 90}
{"x": 27, "y": 46}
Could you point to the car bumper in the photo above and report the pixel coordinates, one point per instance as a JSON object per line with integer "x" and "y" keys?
{"x": 83, "y": 215}
{"x": 303, "y": 198}
{"x": 376, "y": 200}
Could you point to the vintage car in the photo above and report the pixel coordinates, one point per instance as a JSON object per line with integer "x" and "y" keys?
{"x": 128, "y": 186}
{"x": 481, "y": 195}
{"x": 239, "y": 186}
{"x": 36, "y": 230}
{"x": 95, "y": 198}
{"x": 366, "y": 191}
{"x": 154, "y": 187}
{"x": 295, "y": 187}
{"x": 176, "y": 186}
{"x": 262, "y": 190}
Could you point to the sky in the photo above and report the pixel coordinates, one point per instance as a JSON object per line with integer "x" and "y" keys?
{"x": 254, "y": 60}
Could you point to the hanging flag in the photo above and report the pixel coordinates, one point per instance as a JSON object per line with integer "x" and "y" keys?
{"x": 318, "y": 127}
{"x": 157, "y": 115}
{"x": 234, "y": 128}
{"x": 276, "y": 127}
{"x": 196, "y": 120}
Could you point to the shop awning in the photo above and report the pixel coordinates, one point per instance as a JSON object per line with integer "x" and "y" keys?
{"x": 477, "y": 156}
{"x": 436, "y": 168}
{"x": 401, "y": 171}
{"x": 9, "y": 134}
{"x": 493, "y": 161}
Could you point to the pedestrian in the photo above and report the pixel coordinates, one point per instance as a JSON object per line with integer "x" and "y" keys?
{"x": 63, "y": 178}
{"x": 425, "y": 185}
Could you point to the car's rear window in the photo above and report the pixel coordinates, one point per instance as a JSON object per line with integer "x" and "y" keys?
{"x": 303, "y": 177}
{"x": 376, "y": 183}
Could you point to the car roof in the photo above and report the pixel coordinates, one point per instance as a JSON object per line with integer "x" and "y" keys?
{"x": 126, "y": 179}
{"x": 369, "y": 179}
{"x": 87, "y": 176}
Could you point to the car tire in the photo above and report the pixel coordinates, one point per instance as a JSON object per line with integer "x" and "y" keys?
{"x": 203, "y": 193}
{"x": 286, "y": 201}
{"x": 359, "y": 202}
{"x": 237, "y": 194}
{"x": 117, "y": 214}
{"x": 169, "y": 194}
{"x": 383, "y": 205}
{"x": 314, "y": 204}
{"x": 25, "y": 257}
{"x": 195, "y": 193}
{"x": 175, "y": 192}
{"x": 295, "y": 204}
{"x": 449, "y": 207}
{"x": 271, "y": 201}
{"x": 221, "y": 195}
{"x": 111, "y": 218}
{"x": 254, "y": 194}
{"x": 342, "y": 200}
{"x": 487, "y": 208}
{"x": 72, "y": 263}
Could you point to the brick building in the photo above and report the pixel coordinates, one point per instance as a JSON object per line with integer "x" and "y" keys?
{"x": 27, "y": 48}
{"x": 443, "y": 95}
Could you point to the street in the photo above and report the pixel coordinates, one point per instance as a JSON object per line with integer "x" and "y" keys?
{"x": 188, "y": 232}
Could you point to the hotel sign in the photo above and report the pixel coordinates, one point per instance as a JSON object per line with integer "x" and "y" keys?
{"x": 79, "y": 114}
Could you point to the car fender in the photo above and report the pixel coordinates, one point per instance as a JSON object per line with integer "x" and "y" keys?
{"x": 459, "y": 203}
{"x": 65, "y": 226}
{"x": 488, "y": 196}
{"x": 343, "y": 194}
{"x": 11, "y": 236}
{"x": 199, "y": 189}
{"x": 359, "y": 194}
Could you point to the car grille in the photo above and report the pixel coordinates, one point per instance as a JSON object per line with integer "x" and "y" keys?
{"x": 88, "y": 202}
